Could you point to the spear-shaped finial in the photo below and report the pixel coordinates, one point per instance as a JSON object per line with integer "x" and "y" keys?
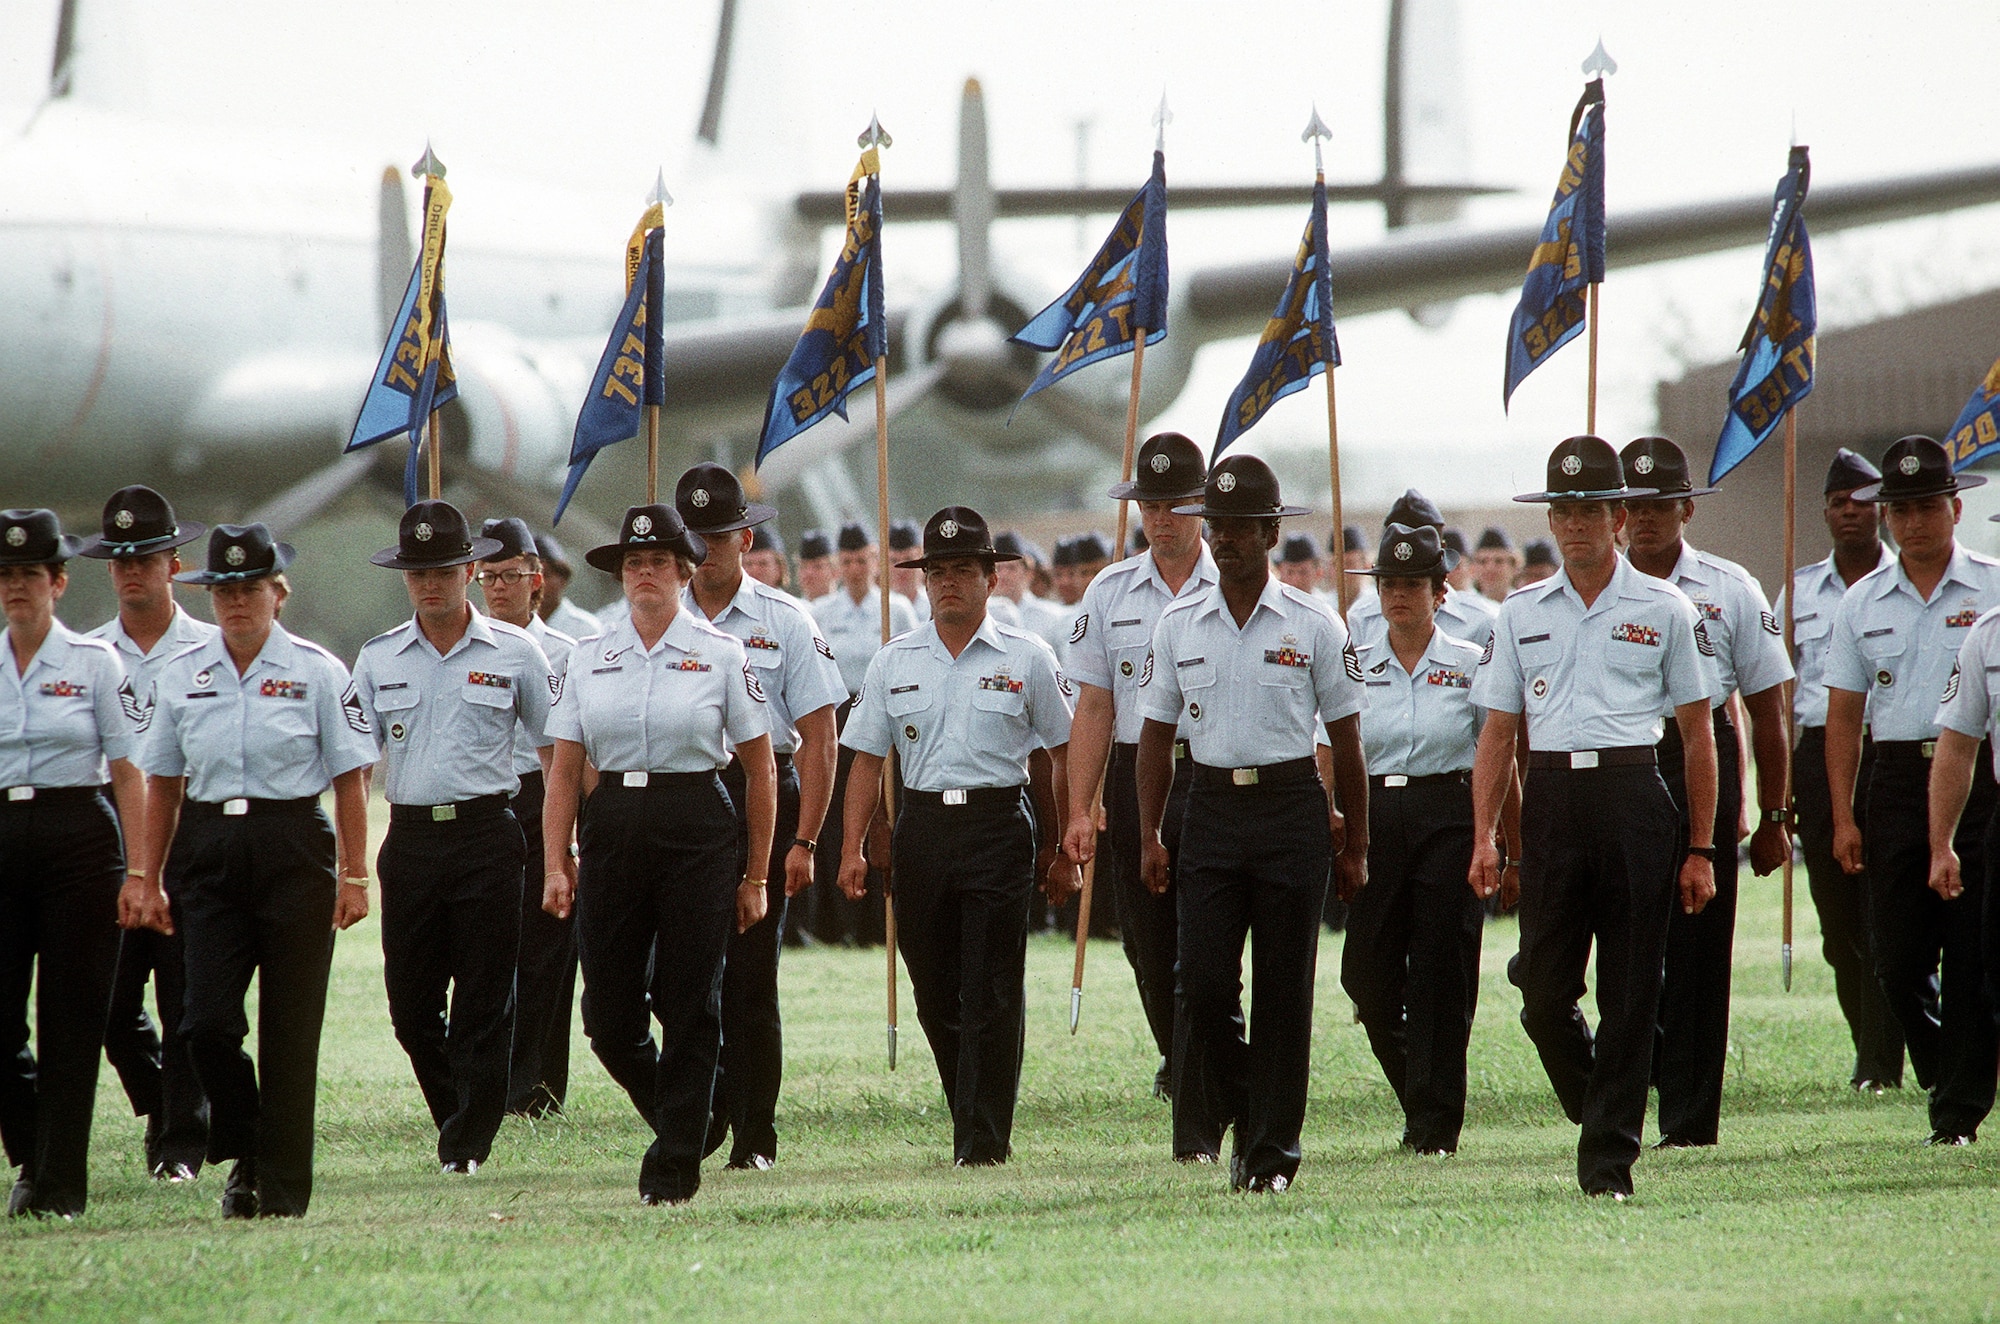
{"x": 874, "y": 135}
{"x": 659, "y": 195}
{"x": 1315, "y": 132}
{"x": 1161, "y": 119}
{"x": 1599, "y": 61}
{"x": 429, "y": 166}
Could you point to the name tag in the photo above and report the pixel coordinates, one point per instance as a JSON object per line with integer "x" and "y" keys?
{"x": 1191, "y": 662}
{"x": 388, "y": 685}
{"x": 1119, "y": 625}
{"x": 1809, "y": 616}
{"x": 1532, "y": 639}
{"x": 604, "y": 671}
{"x": 904, "y": 689}
{"x": 1877, "y": 634}
{"x": 202, "y": 694}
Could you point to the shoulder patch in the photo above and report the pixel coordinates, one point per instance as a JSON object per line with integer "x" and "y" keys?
{"x": 555, "y": 687}
{"x": 137, "y": 712}
{"x": 1486, "y": 653}
{"x": 749, "y": 680}
{"x": 1770, "y": 623}
{"x": 1062, "y": 683}
{"x": 1701, "y": 639}
{"x": 823, "y": 648}
{"x": 1350, "y": 660}
{"x": 1951, "y": 685}
{"x": 351, "y": 709}
{"x": 1146, "y": 673}
{"x": 1080, "y": 629}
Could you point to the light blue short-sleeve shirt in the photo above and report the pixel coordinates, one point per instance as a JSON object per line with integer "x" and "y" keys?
{"x": 1113, "y": 632}
{"x": 1891, "y": 645}
{"x": 60, "y": 720}
{"x": 678, "y": 706}
{"x": 1419, "y": 723}
{"x": 791, "y": 661}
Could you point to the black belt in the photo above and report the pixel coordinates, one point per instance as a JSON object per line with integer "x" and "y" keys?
{"x": 974, "y": 797}
{"x": 27, "y": 795}
{"x": 1625, "y": 756}
{"x": 242, "y": 807}
{"x": 1291, "y": 772}
{"x": 1905, "y": 751}
{"x": 656, "y": 781}
{"x": 1391, "y": 781}
{"x": 484, "y": 806}
{"x": 1131, "y": 751}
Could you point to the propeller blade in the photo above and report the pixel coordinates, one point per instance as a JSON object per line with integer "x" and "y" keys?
{"x": 710, "y": 128}
{"x": 310, "y": 495}
{"x": 972, "y": 204}
{"x": 394, "y": 253}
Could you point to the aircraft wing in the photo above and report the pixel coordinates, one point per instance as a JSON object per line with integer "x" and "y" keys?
{"x": 1414, "y": 268}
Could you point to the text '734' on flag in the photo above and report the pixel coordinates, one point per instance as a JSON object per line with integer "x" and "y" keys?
{"x": 414, "y": 375}
{"x": 1122, "y": 292}
{"x": 630, "y": 373}
{"x": 1777, "y": 368}
{"x": 1298, "y": 342}
{"x": 847, "y": 330}
{"x": 1570, "y": 257}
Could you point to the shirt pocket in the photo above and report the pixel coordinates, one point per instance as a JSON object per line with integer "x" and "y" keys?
{"x": 1538, "y": 659}
{"x": 489, "y": 713}
{"x": 908, "y": 707}
{"x": 393, "y": 711}
{"x": 1883, "y": 654}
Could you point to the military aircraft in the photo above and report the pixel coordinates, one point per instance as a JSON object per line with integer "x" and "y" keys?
{"x": 210, "y": 325}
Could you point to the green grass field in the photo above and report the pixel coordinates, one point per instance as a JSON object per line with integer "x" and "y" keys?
{"x": 1817, "y": 1205}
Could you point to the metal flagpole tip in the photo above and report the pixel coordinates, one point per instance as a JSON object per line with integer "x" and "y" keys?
{"x": 1785, "y": 960}
{"x": 659, "y": 193}
{"x": 1315, "y": 127}
{"x": 892, "y": 1048}
{"x": 1600, "y": 61}
{"x": 1161, "y": 119}
{"x": 874, "y": 135}
{"x": 429, "y": 165}
{"x": 1075, "y": 1008}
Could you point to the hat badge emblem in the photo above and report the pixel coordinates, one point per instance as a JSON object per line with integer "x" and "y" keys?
{"x": 643, "y": 524}
{"x": 16, "y": 536}
{"x": 698, "y": 498}
{"x": 1572, "y": 465}
{"x": 948, "y": 529}
{"x": 235, "y": 554}
{"x": 1403, "y": 551}
{"x": 1644, "y": 464}
{"x": 423, "y": 532}
{"x": 1909, "y": 465}
{"x": 1159, "y": 464}
{"x": 1225, "y": 482}
{"x": 123, "y": 519}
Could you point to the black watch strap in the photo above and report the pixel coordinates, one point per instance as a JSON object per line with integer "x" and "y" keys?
{"x": 1706, "y": 852}
{"x": 812, "y": 847}
{"x": 1778, "y": 816}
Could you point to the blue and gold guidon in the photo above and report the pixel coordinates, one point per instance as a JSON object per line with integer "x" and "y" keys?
{"x": 1777, "y": 368}
{"x": 1120, "y": 294}
{"x": 1298, "y": 342}
{"x": 1570, "y": 257}
{"x": 847, "y": 330}
{"x": 414, "y": 375}
{"x": 630, "y": 374}
{"x": 1976, "y": 434}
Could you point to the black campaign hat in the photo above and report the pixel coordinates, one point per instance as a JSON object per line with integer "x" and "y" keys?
{"x": 514, "y": 538}
{"x": 138, "y": 522}
{"x": 767, "y": 539}
{"x": 854, "y": 537}
{"x": 1914, "y": 468}
{"x": 1849, "y": 471}
{"x": 1664, "y": 465}
{"x": 34, "y": 537}
{"x": 1297, "y": 548}
{"x": 709, "y": 499}
{"x": 653, "y": 527}
{"x": 1411, "y": 509}
{"x": 1168, "y": 468}
{"x": 1241, "y": 486}
{"x": 1408, "y": 553}
{"x": 814, "y": 544}
{"x": 1017, "y": 548}
{"x": 1585, "y": 468}
{"x": 1086, "y": 548}
{"x": 239, "y": 552}
{"x": 955, "y": 533}
{"x": 1494, "y": 539}
{"x": 432, "y": 536}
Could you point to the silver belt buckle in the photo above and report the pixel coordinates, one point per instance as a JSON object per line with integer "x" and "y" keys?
{"x": 443, "y": 813}
{"x": 1583, "y": 758}
{"x": 954, "y": 797}
{"x": 1180, "y": 750}
{"x": 235, "y": 808}
{"x": 1929, "y": 748}
{"x": 1243, "y": 776}
{"x": 20, "y": 792}
{"x": 636, "y": 778}
{"x": 1395, "y": 779}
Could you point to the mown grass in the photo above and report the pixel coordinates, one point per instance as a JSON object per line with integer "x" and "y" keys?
{"x": 1818, "y": 1205}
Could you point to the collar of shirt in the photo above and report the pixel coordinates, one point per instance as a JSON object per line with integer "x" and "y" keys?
{"x": 683, "y": 635}
{"x": 182, "y": 631}
{"x": 1822, "y": 575}
{"x": 1957, "y": 571}
{"x": 988, "y": 633}
{"x": 1202, "y": 576}
{"x": 1626, "y": 582}
{"x": 539, "y": 631}
{"x": 476, "y": 631}
{"x": 54, "y": 652}
{"x": 1271, "y": 599}
{"x": 279, "y": 653}
{"x": 745, "y": 602}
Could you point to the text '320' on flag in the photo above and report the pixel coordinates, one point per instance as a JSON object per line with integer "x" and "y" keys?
{"x": 1121, "y": 292}
{"x": 1777, "y": 368}
{"x": 630, "y": 373}
{"x": 414, "y": 375}
{"x": 1298, "y": 342}
{"x": 847, "y": 330}
{"x": 1570, "y": 257}
{"x": 1976, "y": 434}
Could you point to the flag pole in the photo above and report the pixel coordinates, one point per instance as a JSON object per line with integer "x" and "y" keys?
{"x": 1791, "y": 520}
{"x": 652, "y": 452}
{"x": 1317, "y": 133}
{"x": 433, "y": 445}
{"x": 1083, "y": 897}
{"x": 1590, "y": 405}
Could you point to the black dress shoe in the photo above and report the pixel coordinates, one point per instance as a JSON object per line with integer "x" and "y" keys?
{"x": 655, "y": 1201}
{"x": 463, "y": 1167}
{"x": 1680, "y": 1142}
{"x": 20, "y": 1198}
{"x": 750, "y": 1163}
{"x": 239, "y": 1193}
{"x": 1949, "y": 1140}
{"x": 1200, "y": 1156}
{"x": 1276, "y": 1183}
{"x": 1163, "y": 1083}
{"x": 175, "y": 1173}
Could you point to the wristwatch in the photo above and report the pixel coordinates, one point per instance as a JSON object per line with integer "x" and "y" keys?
{"x": 812, "y": 847}
{"x": 1706, "y": 852}
{"x": 1783, "y": 816}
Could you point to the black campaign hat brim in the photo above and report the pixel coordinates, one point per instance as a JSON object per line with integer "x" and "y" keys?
{"x": 970, "y": 554}
{"x": 754, "y": 513}
{"x": 1676, "y": 496}
{"x": 391, "y": 558}
{"x": 1952, "y": 485}
{"x": 66, "y": 547}
{"x": 99, "y": 548}
{"x": 1446, "y": 563}
{"x": 1137, "y": 491}
{"x": 282, "y": 554}
{"x": 1602, "y": 494}
{"x": 610, "y": 558}
{"x": 1209, "y": 512}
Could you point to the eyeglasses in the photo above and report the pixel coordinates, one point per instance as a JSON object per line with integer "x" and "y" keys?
{"x": 488, "y": 578}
